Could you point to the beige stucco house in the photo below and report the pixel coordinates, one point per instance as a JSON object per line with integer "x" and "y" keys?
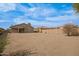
{"x": 21, "y": 28}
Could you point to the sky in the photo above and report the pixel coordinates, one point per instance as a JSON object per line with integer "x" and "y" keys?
{"x": 38, "y": 14}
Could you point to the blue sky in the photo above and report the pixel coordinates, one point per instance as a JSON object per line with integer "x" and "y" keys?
{"x": 38, "y": 14}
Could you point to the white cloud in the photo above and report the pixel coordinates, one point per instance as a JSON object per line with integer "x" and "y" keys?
{"x": 7, "y": 6}
{"x": 22, "y": 19}
{"x": 64, "y": 18}
{"x": 37, "y": 11}
{"x": 34, "y": 22}
{"x": 71, "y": 11}
{"x": 4, "y": 21}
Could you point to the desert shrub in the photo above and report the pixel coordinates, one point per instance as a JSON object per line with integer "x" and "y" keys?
{"x": 3, "y": 41}
{"x": 70, "y": 30}
{"x": 21, "y": 53}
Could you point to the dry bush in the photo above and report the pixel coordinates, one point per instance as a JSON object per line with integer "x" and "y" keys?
{"x": 20, "y": 53}
{"x": 3, "y": 41}
{"x": 70, "y": 30}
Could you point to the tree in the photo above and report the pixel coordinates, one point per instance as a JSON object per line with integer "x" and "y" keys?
{"x": 76, "y": 6}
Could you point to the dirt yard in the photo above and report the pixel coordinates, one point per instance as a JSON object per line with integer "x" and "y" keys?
{"x": 48, "y": 43}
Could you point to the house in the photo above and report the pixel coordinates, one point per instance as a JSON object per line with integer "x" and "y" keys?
{"x": 21, "y": 28}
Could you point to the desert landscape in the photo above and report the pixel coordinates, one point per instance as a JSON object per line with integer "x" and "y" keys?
{"x": 50, "y": 42}
{"x": 39, "y": 29}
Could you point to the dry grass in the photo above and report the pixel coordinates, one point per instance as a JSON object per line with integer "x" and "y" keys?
{"x": 25, "y": 52}
{"x": 3, "y": 41}
{"x": 50, "y": 42}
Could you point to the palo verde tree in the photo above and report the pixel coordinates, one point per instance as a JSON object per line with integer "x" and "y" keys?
{"x": 76, "y": 6}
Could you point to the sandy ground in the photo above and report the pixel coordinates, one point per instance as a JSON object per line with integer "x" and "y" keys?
{"x": 48, "y": 43}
